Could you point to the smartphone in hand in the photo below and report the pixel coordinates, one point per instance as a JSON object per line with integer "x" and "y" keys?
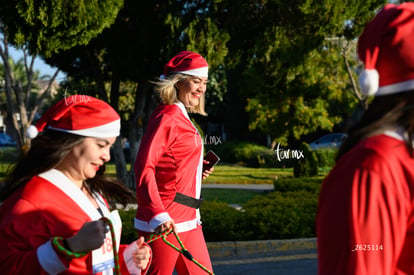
{"x": 212, "y": 159}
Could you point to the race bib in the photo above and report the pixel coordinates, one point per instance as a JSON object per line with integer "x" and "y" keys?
{"x": 103, "y": 257}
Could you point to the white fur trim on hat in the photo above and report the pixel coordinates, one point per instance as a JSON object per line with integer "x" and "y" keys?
{"x": 108, "y": 130}
{"x": 369, "y": 81}
{"x": 396, "y": 88}
{"x": 202, "y": 72}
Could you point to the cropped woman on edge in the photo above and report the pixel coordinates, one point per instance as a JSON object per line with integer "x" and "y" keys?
{"x": 54, "y": 199}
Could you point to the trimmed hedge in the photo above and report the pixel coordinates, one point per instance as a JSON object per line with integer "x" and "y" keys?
{"x": 282, "y": 215}
{"x": 222, "y": 222}
{"x": 129, "y": 233}
{"x": 308, "y": 165}
{"x": 326, "y": 157}
{"x": 288, "y": 212}
{"x": 244, "y": 153}
{"x": 257, "y": 156}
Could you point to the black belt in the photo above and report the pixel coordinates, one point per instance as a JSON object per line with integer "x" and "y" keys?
{"x": 188, "y": 201}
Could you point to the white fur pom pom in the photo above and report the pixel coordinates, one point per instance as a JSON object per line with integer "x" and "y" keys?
{"x": 369, "y": 81}
{"x": 32, "y": 132}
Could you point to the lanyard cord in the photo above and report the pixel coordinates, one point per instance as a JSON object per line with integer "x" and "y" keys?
{"x": 117, "y": 269}
{"x": 183, "y": 250}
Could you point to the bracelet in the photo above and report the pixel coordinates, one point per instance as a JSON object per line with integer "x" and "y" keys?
{"x": 57, "y": 243}
{"x": 65, "y": 244}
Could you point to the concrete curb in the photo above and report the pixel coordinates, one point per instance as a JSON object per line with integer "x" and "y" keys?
{"x": 240, "y": 249}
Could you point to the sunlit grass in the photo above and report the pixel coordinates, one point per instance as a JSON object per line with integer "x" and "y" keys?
{"x": 244, "y": 175}
{"x": 233, "y": 174}
{"x": 224, "y": 174}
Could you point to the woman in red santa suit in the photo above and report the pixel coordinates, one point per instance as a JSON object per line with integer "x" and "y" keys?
{"x": 55, "y": 217}
{"x": 365, "y": 220}
{"x": 169, "y": 167}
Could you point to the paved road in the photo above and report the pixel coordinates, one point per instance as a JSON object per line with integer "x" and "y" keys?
{"x": 259, "y": 187}
{"x": 273, "y": 257}
{"x": 277, "y": 257}
{"x": 304, "y": 264}
{"x": 296, "y": 264}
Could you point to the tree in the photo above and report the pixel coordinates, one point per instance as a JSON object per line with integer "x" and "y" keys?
{"x": 291, "y": 77}
{"x": 134, "y": 49}
{"x": 44, "y": 28}
{"x": 21, "y": 97}
{"x": 48, "y": 27}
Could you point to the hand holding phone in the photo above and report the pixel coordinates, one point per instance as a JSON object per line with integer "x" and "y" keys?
{"x": 212, "y": 159}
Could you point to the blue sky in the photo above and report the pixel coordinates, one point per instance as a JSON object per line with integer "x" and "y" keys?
{"x": 38, "y": 65}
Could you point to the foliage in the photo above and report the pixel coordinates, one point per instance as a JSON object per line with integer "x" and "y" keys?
{"x": 276, "y": 215}
{"x": 285, "y": 184}
{"x": 8, "y": 157}
{"x": 222, "y": 222}
{"x": 144, "y": 36}
{"x": 286, "y": 70}
{"x": 308, "y": 165}
{"x": 244, "y": 153}
{"x": 230, "y": 196}
{"x": 291, "y": 74}
{"x": 129, "y": 233}
{"x": 326, "y": 157}
{"x": 43, "y": 28}
{"x": 48, "y": 27}
{"x": 22, "y": 96}
{"x": 282, "y": 215}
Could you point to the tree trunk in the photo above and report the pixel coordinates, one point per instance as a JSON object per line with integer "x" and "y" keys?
{"x": 119, "y": 157}
{"x": 18, "y": 99}
{"x": 142, "y": 111}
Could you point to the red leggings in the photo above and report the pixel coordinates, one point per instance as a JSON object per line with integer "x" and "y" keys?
{"x": 165, "y": 258}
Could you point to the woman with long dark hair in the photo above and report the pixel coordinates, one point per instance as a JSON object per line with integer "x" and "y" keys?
{"x": 365, "y": 219}
{"x": 55, "y": 216}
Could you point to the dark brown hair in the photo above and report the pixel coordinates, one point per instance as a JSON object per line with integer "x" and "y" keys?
{"x": 384, "y": 111}
{"x": 48, "y": 150}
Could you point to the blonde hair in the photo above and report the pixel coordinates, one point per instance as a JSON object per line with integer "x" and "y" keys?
{"x": 167, "y": 91}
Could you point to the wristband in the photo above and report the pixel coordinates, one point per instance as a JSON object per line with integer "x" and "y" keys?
{"x": 58, "y": 243}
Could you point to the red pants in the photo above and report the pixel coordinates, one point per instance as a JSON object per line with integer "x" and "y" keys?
{"x": 165, "y": 258}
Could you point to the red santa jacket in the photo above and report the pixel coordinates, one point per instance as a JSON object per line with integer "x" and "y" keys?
{"x": 169, "y": 161}
{"x": 34, "y": 214}
{"x": 365, "y": 220}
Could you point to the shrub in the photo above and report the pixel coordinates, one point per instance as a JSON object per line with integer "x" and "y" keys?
{"x": 129, "y": 233}
{"x": 326, "y": 157}
{"x": 308, "y": 165}
{"x": 289, "y": 184}
{"x": 9, "y": 154}
{"x": 8, "y": 158}
{"x": 222, "y": 222}
{"x": 288, "y": 212}
{"x": 244, "y": 153}
{"x": 282, "y": 215}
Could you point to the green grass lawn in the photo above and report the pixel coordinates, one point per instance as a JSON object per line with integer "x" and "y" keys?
{"x": 244, "y": 175}
{"x": 223, "y": 174}
{"x": 231, "y": 174}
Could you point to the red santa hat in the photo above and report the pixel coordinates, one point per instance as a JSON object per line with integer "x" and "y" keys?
{"x": 187, "y": 62}
{"x": 386, "y": 47}
{"x": 80, "y": 115}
